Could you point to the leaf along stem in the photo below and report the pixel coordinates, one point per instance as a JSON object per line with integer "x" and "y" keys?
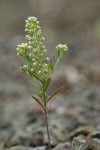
{"x": 55, "y": 93}
{"x": 39, "y": 102}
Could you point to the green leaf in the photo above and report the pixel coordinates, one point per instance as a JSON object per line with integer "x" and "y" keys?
{"x": 47, "y": 83}
{"x": 34, "y": 76}
{"x": 51, "y": 98}
{"x": 38, "y": 101}
{"x": 52, "y": 67}
{"x": 37, "y": 91}
{"x": 55, "y": 93}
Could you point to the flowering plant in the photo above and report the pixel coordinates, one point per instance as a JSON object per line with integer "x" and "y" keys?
{"x": 39, "y": 66}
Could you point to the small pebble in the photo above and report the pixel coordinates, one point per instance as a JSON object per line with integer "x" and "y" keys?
{"x": 62, "y": 146}
{"x": 78, "y": 144}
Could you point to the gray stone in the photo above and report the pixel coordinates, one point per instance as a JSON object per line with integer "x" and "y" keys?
{"x": 78, "y": 144}
{"x": 96, "y": 140}
{"x": 95, "y": 136}
{"x": 62, "y": 146}
{"x": 40, "y": 148}
{"x": 26, "y": 148}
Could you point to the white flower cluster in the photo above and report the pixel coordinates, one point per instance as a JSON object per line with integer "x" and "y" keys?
{"x": 34, "y": 52}
{"x": 39, "y": 66}
{"x": 62, "y": 48}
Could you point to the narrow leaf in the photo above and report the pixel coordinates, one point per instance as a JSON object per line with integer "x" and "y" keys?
{"x": 47, "y": 83}
{"x": 36, "y": 89}
{"x": 52, "y": 97}
{"x": 38, "y": 101}
{"x": 55, "y": 93}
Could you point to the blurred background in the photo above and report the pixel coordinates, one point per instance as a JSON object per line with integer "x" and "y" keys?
{"x": 74, "y": 22}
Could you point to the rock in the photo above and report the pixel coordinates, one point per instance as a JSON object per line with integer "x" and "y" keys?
{"x": 5, "y": 124}
{"x": 95, "y": 136}
{"x": 60, "y": 137}
{"x": 85, "y": 131}
{"x": 77, "y": 122}
{"x": 63, "y": 146}
{"x": 24, "y": 139}
{"x": 66, "y": 146}
{"x": 92, "y": 145}
{"x": 27, "y": 148}
{"x": 37, "y": 139}
{"x": 78, "y": 143}
{"x": 96, "y": 140}
{"x": 1, "y": 148}
{"x": 40, "y": 148}
{"x": 18, "y": 138}
{"x": 36, "y": 135}
{"x": 20, "y": 148}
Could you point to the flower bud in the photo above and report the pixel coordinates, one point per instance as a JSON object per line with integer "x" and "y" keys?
{"x": 62, "y": 48}
{"x": 45, "y": 65}
{"x": 30, "y": 55}
{"x": 35, "y": 51}
{"x": 44, "y": 51}
{"x": 47, "y": 59}
{"x": 39, "y": 33}
{"x": 40, "y": 72}
{"x": 42, "y": 39}
{"x": 32, "y": 70}
{"x": 41, "y": 55}
{"x": 25, "y": 66}
{"x": 29, "y": 47}
{"x": 33, "y": 60}
{"x": 35, "y": 64}
{"x": 39, "y": 65}
{"x": 45, "y": 71}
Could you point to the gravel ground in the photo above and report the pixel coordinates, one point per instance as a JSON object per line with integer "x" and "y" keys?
{"x": 74, "y": 113}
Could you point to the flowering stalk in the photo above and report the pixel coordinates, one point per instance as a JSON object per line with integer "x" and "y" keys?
{"x": 39, "y": 66}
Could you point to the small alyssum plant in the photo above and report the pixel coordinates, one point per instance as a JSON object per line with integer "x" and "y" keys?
{"x": 39, "y": 66}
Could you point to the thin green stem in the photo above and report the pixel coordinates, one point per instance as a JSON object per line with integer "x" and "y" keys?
{"x": 47, "y": 126}
{"x": 46, "y": 119}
